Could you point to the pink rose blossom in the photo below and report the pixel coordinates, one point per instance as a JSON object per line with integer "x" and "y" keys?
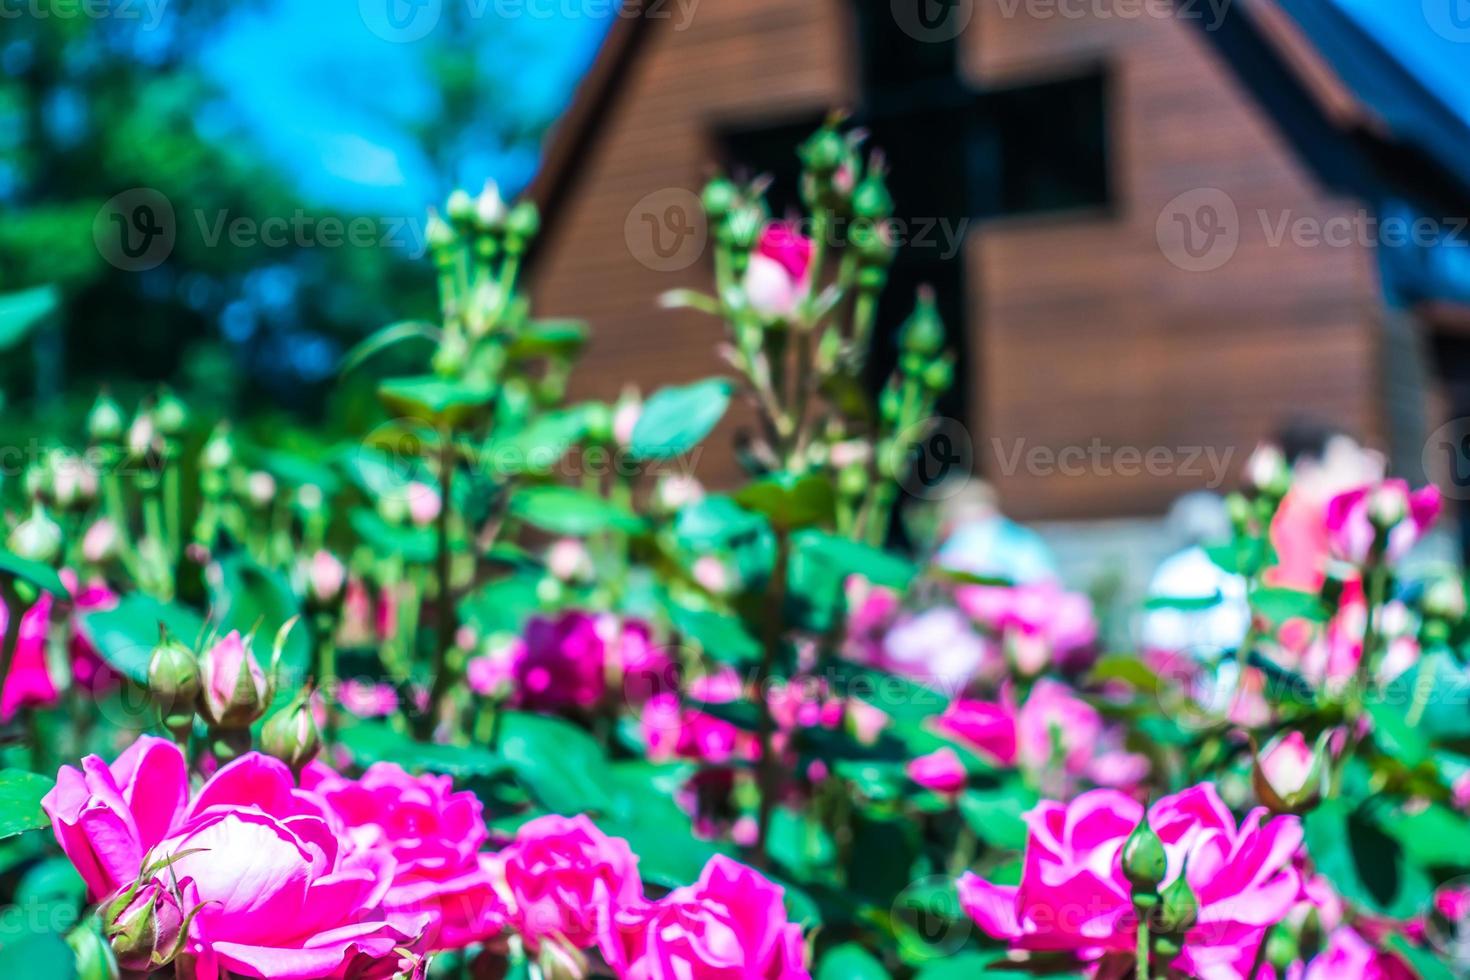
{"x": 729, "y": 925}
{"x": 779, "y": 273}
{"x": 940, "y": 771}
{"x": 1073, "y": 896}
{"x": 673, "y": 731}
{"x": 938, "y": 647}
{"x": 1348, "y": 954}
{"x": 29, "y": 683}
{"x": 561, "y": 663}
{"x": 564, "y": 877}
{"x": 1350, "y": 520}
{"x": 106, "y": 818}
{"x": 435, "y": 836}
{"x": 1043, "y": 616}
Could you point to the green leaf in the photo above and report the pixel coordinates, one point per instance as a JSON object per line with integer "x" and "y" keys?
{"x": 1126, "y": 667}
{"x": 558, "y": 762}
{"x": 44, "y": 954}
{"x": 52, "y": 881}
{"x": 675, "y": 420}
{"x": 20, "y": 802}
{"x": 386, "y": 337}
{"x": 417, "y": 545}
{"x": 370, "y": 742}
{"x": 1444, "y": 718}
{"x": 1435, "y": 837}
{"x": 1280, "y": 605}
{"x": 437, "y": 400}
{"x": 41, "y": 575}
{"x": 126, "y": 634}
{"x": 1184, "y": 603}
{"x": 546, "y": 338}
{"x": 1364, "y": 862}
{"x": 1394, "y": 735}
{"x": 997, "y": 816}
{"x": 299, "y": 471}
{"x": 716, "y": 522}
{"x": 790, "y": 502}
{"x": 22, "y": 312}
{"x": 902, "y": 699}
{"x": 568, "y": 511}
{"x": 539, "y": 446}
{"x": 502, "y": 605}
{"x": 641, "y": 808}
{"x": 245, "y": 597}
{"x": 850, "y": 962}
{"x": 845, "y": 557}
{"x": 721, "y": 637}
{"x": 978, "y": 966}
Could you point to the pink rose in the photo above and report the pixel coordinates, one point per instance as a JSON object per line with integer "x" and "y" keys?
{"x": 1353, "y": 519}
{"x": 938, "y": 647}
{"x": 940, "y": 771}
{"x": 673, "y": 731}
{"x": 729, "y": 925}
{"x": 564, "y": 877}
{"x": 1055, "y": 728}
{"x": 106, "y": 818}
{"x": 561, "y": 663}
{"x": 1073, "y": 896}
{"x": 988, "y": 728}
{"x": 1349, "y": 955}
{"x": 89, "y": 671}
{"x": 1058, "y": 625}
{"x": 779, "y": 273}
{"x": 645, "y": 667}
{"x": 435, "y": 836}
{"x": 29, "y": 683}
{"x": 281, "y": 894}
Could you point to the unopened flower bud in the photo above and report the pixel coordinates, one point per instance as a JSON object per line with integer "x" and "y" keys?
{"x": 719, "y": 197}
{"x": 625, "y": 418}
{"x": 437, "y": 233}
{"x": 141, "y": 435}
{"x": 105, "y": 422}
{"x": 923, "y": 332}
{"x": 100, "y": 542}
{"x": 37, "y": 537}
{"x": 1287, "y": 774}
{"x": 490, "y": 208}
{"x": 170, "y": 415}
{"x": 824, "y": 151}
{"x": 938, "y": 376}
{"x": 1445, "y": 598}
{"x": 145, "y": 926}
{"x": 870, "y": 199}
{"x": 1388, "y": 506}
{"x": 522, "y": 224}
{"x": 325, "y": 577}
{"x": 291, "y": 735}
{"x": 236, "y": 690}
{"x": 219, "y": 450}
{"x": 1267, "y": 471}
{"x": 568, "y": 560}
{"x": 1144, "y": 861}
{"x": 174, "y": 683}
{"x": 260, "y": 488}
{"x": 460, "y": 207}
{"x": 1178, "y": 906}
{"x": 424, "y": 504}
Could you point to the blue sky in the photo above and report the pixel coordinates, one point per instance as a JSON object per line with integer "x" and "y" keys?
{"x": 331, "y": 91}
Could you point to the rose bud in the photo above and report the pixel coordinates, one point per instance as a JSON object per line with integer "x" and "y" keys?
{"x": 100, "y": 542}
{"x": 260, "y": 488}
{"x": 1144, "y": 863}
{"x": 37, "y": 537}
{"x": 292, "y": 736}
{"x": 236, "y": 688}
{"x": 940, "y": 771}
{"x": 105, "y": 422}
{"x": 325, "y": 577}
{"x": 146, "y": 927}
{"x": 1267, "y": 470}
{"x": 1287, "y": 775}
{"x": 423, "y": 503}
{"x": 174, "y": 684}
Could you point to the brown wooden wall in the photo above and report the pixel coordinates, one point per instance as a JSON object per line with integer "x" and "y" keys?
{"x": 1086, "y": 330}
{"x": 1082, "y": 327}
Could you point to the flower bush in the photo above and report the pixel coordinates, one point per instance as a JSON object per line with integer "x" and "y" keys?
{"x": 500, "y": 689}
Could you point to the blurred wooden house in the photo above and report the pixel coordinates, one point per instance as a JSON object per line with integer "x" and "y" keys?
{"x": 1125, "y": 206}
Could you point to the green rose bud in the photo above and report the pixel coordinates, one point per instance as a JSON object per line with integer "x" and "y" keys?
{"x": 460, "y": 207}
{"x": 523, "y": 223}
{"x": 437, "y": 232}
{"x": 37, "y": 537}
{"x": 719, "y": 197}
{"x": 170, "y": 415}
{"x": 871, "y": 199}
{"x": 824, "y": 151}
{"x": 106, "y": 422}
{"x": 1178, "y": 908}
{"x": 1144, "y": 861}
{"x": 174, "y": 684}
{"x": 923, "y": 332}
{"x": 291, "y": 735}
